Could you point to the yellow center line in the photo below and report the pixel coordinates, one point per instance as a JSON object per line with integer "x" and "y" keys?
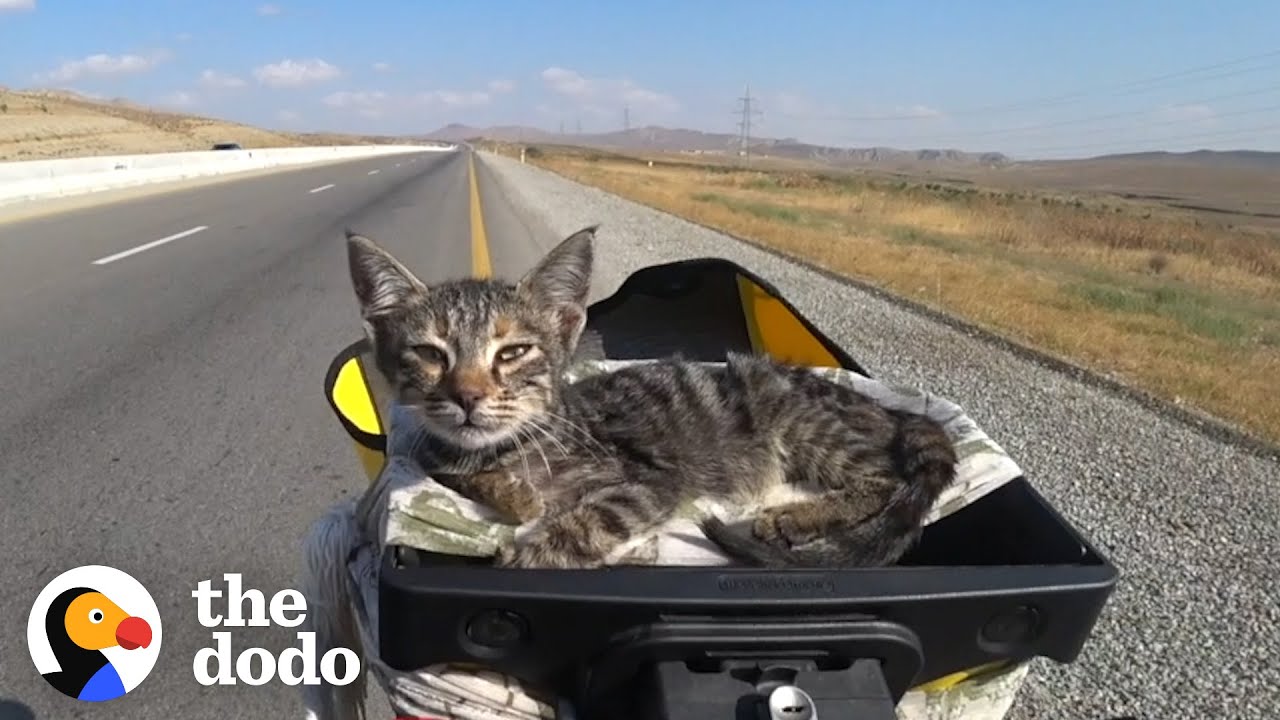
{"x": 480, "y": 265}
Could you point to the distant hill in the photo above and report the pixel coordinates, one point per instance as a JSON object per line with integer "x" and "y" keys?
{"x": 44, "y": 123}
{"x": 1235, "y": 159}
{"x": 662, "y": 139}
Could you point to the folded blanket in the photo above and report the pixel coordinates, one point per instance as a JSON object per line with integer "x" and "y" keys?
{"x": 406, "y": 507}
{"x": 423, "y": 514}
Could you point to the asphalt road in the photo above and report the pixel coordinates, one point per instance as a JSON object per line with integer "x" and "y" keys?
{"x": 161, "y": 407}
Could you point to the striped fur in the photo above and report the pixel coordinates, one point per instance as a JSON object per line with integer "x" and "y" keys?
{"x": 592, "y": 464}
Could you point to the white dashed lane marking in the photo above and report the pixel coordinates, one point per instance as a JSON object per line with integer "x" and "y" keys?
{"x": 148, "y": 246}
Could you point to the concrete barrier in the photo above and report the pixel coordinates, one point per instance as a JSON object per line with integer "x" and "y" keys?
{"x": 40, "y": 179}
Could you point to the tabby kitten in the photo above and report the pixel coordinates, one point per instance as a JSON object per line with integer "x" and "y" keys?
{"x": 601, "y": 460}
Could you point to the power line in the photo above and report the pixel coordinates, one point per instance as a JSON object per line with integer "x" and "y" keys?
{"x": 1221, "y": 134}
{"x": 1108, "y": 116}
{"x": 1135, "y": 87}
{"x": 1218, "y": 134}
{"x": 1150, "y": 83}
{"x": 1193, "y": 71}
{"x": 744, "y": 125}
{"x": 1217, "y": 76}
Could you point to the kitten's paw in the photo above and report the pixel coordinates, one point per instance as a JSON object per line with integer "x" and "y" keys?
{"x": 522, "y": 504}
{"x": 504, "y": 557}
{"x": 542, "y": 556}
{"x": 548, "y": 547}
{"x": 765, "y": 528}
{"x": 779, "y": 526}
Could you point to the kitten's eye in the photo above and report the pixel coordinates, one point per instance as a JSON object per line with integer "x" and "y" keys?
{"x": 512, "y": 352}
{"x": 432, "y": 354}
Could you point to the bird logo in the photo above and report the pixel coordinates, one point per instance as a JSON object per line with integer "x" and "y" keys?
{"x": 94, "y": 633}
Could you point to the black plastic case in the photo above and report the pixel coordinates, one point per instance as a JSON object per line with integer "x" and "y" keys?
{"x": 1004, "y": 578}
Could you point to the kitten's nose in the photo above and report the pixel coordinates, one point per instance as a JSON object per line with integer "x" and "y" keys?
{"x": 468, "y": 397}
{"x": 469, "y": 386}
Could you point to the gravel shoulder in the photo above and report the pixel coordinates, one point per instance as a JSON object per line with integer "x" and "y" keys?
{"x": 1192, "y": 521}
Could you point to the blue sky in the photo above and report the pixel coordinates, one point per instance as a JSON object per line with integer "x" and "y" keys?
{"x": 1023, "y": 77}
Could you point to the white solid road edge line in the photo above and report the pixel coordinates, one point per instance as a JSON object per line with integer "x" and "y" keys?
{"x": 148, "y": 246}
{"x": 321, "y": 188}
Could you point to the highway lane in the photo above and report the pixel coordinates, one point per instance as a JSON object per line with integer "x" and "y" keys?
{"x": 162, "y": 411}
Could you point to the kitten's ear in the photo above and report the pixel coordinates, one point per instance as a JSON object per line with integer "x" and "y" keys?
{"x": 561, "y": 282}
{"x": 563, "y": 276}
{"x": 381, "y": 283}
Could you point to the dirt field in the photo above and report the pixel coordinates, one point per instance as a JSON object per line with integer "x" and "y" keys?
{"x": 40, "y": 125}
{"x": 1231, "y": 194}
{"x": 1183, "y": 306}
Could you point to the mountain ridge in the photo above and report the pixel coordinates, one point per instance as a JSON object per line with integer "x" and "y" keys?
{"x": 664, "y": 139}
{"x": 659, "y": 138}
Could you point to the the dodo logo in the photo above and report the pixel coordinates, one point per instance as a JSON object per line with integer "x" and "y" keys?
{"x": 94, "y": 633}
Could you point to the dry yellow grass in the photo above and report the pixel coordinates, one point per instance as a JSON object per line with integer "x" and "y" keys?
{"x": 1170, "y": 303}
{"x": 43, "y": 124}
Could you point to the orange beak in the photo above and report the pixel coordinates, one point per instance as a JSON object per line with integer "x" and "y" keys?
{"x": 133, "y": 632}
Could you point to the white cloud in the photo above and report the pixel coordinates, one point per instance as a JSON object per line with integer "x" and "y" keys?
{"x": 183, "y": 37}
{"x": 566, "y": 82}
{"x": 1199, "y": 114}
{"x": 918, "y": 111}
{"x": 641, "y": 96}
{"x": 456, "y": 99}
{"x": 270, "y": 9}
{"x": 7, "y": 5}
{"x": 378, "y": 103}
{"x": 215, "y": 79}
{"x": 582, "y": 89}
{"x": 369, "y": 103}
{"x": 292, "y": 73}
{"x": 382, "y": 67}
{"x": 287, "y": 116}
{"x": 179, "y": 99}
{"x": 103, "y": 64}
{"x": 501, "y": 86}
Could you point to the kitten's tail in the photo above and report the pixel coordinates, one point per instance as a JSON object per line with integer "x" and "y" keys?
{"x": 927, "y": 460}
